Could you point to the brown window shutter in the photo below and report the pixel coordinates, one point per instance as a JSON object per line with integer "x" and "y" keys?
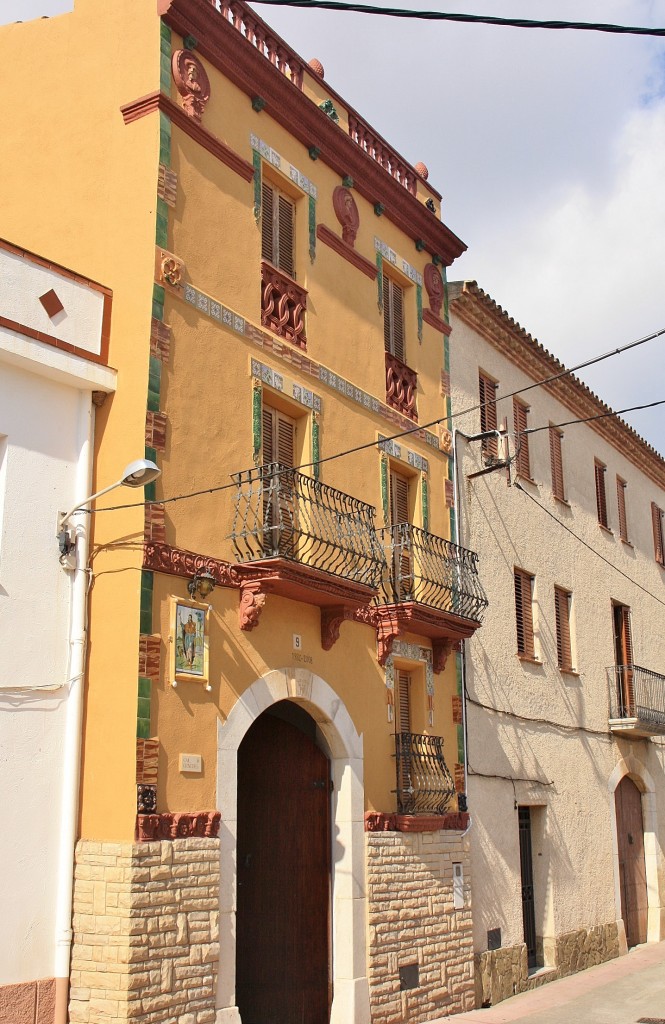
{"x": 267, "y": 227}
{"x": 386, "y": 314}
{"x": 562, "y": 614}
{"x": 286, "y": 430}
{"x": 399, "y": 499}
{"x": 403, "y": 702}
{"x": 657, "y": 522}
{"x": 268, "y": 435}
{"x": 556, "y": 461}
{"x": 521, "y": 439}
{"x": 285, "y": 235}
{"x": 488, "y": 419}
{"x": 393, "y": 319}
{"x": 601, "y": 501}
{"x": 524, "y": 613}
{"x": 621, "y": 506}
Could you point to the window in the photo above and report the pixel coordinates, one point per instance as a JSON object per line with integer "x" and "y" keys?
{"x": 621, "y": 506}
{"x": 623, "y": 659}
{"x": 488, "y": 421}
{"x": 278, "y": 436}
{"x": 657, "y": 522}
{"x": 601, "y": 500}
{"x": 393, "y": 318}
{"x": 524, "y": 613}
{"x": 520, "y": 411}
{"x": 277, "y": 228}
{"x": 401, "y": 538}
{"x": 403, "y": 702}
{"x": 562, "y": 615}
{"x": 556, "y": 462}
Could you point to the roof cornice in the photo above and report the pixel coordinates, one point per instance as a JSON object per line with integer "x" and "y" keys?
{"x": 236, "y": 58}
{"x": 477, "y": 309}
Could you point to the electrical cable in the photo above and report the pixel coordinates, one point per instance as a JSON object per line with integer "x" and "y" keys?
{"x": 509, "y": 778}
{"x": 393, "y": 437}
{"x": 538, "y": 721}
{"x": 598, "y": 416}
{"x": 471, "y": 19}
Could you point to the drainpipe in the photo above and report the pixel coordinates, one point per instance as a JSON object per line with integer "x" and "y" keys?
{"x": 74, "y": 717}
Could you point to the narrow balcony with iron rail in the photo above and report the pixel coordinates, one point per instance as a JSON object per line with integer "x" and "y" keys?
{"x": 425, "y": 785}
{"x": 301, "y": 539}
{"x": 430, "y": 587}
{"x": 637, "y": 701}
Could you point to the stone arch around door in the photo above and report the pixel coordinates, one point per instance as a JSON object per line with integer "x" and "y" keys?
{"x": 350, "y": 1004}
{"x": 630, "y": 766}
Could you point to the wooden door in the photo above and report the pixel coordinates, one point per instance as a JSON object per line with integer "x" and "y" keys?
{"x": 632, "y": 868}
{"x": 526, "y": 871}
{"x": 283, "y": 971}
{"x": 623, "y": 653}
{"x": 402, "y": 553}
{"x": 279, "y": 507}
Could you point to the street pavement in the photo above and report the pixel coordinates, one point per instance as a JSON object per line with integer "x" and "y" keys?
{"x": 622, "y": 991}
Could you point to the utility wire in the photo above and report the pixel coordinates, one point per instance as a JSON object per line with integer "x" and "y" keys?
{"x": 598, "y": 416}
{"x": 401, "y": 434}
{"x": 469, "y": 19}
{"x": 537, "y": 721}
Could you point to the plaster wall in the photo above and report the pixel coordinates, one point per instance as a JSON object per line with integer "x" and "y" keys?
{"x": 547, "y": 744}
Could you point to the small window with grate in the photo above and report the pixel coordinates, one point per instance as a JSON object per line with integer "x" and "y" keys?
{"x": 657, "y": 523}
{"x": 556, "y": 463}
{"x": 562, "y": 604}
{"x": 488, "y": 418}
{"x": 524, "y": 614}
{"x": 601, "y": 499}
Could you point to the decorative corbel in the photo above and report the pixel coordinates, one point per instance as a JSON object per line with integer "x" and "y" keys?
{"x": 440, "y": 652}
{"x": 251, "y": 605}
{"x": 387, "y": 630}
{"x": 331, "y": 620}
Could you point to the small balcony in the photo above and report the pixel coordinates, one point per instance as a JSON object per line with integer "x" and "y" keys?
{"x": 301, "y": 539}
{"x": 424, "y": 782}
{"x": 401, "y": 386}
{"x": 283, "y": 305}
{"x": 637, "y": 701}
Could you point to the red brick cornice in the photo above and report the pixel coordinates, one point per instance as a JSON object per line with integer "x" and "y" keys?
{"x": 158, "y": 101}
{"x": 329, "y": 237}
{"x": 236, "y": 58}
{"x": 475, "y": 307}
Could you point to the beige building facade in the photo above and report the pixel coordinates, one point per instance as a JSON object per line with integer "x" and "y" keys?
{"x": 565, "y": 706}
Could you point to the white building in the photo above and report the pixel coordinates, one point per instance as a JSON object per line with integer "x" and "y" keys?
{"x": 54, "y": 328}
{"x": 565, "y": 750}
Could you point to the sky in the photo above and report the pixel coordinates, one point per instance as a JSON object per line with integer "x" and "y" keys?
{"x": 548, "y": 148}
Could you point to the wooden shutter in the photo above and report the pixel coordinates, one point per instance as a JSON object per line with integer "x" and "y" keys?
{"x": 621, "y": 506}
{"x": 657, "y": 523}
{"x": 521, "y": 439}
{"x": 285, "y": 235}
{"x": 562, "y": 614}
{"x": 267, "y": 219}
{"x": 623, "y": 643}
{"x": 399, "y": 499}
{"x": 601, "y": 501}
{"x": 403, "y": 702}
{"x": 278, "y": 438}
{"x": 402, "y": 558}
{"x": 488, "y": 420}
{"x": 393, "y": 318}
{"x": 524, "y": 613}
{"x": 556, "y": 462}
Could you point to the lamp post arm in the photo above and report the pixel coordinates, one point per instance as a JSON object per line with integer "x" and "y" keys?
{"x": 86, "y": 501}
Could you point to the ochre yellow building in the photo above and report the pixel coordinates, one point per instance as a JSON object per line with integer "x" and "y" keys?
{"x": 273, "y": 790}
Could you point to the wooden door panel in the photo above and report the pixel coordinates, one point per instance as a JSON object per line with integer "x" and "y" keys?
{"x": 632, "y": 867}
{"x": 282, "y": 949}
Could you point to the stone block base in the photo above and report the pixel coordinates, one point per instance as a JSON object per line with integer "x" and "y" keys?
{"x": 28, "y": 1002}
{"x": 416, "y": 934}
{"x": 146, "y": 931}
{"x": 500, "y": 973}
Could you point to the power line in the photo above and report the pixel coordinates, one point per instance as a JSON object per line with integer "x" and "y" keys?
{"x": 598, "y": 416}
{"x": 469, "y": 19}
{"x": 401, "y": 434}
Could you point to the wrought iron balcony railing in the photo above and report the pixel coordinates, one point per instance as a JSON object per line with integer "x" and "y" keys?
{"x": 638, "y": 693}
{"x": 401, "y": 386}
{"x": 424, "y": 783}
{"x": 280, "y": 513}
{"x": 431, "y": 571}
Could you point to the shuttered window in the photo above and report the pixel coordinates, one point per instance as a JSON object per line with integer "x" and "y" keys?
{"x": 520, "y": 412}
{"x": 403, "y": 702}
{"x": 278, "y": 436}
{"x": 562, "y": 616}
{"x": 621, "y": 507}
{"x": 277, "y": 228}
{"x": 524, "y": 613}
{"x": 657, "y": 522}
{"x": 402, "y": 555}
{"x": 556, "y": 462}
{"x": 399, "y": 499}
{"x": 488, "y": 420}
{"x": 393, "y": 318}
{"x": 279, "y": 514}
{"x": 601, "y": 500}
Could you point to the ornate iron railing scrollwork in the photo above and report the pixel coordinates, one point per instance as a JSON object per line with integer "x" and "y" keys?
{"x": 424, "y": 782}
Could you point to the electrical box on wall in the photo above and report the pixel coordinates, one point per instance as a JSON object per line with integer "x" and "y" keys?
{"x": 458, "y": 886}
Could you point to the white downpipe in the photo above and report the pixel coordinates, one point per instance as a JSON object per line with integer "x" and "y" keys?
{"x": 74, "y": 716}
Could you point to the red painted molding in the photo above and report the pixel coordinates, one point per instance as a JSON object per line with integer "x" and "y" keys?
{"x": 178, "y": 825}
{"x": 436, "y": 322}
{"x": 410, "y": 617}
{"x": 158, "y": 101}
{"x": 63, "y": 346}
{"x": 237, "y": 59}
{"x": 179, "y": 562}
{"x": 328, "y": 237}
{"x": 379, "y": 821}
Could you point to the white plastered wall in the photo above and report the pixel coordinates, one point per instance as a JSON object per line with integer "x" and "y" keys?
{"x": 345, "y": 749}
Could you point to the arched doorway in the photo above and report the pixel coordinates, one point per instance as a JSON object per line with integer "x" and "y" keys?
{"x": 632, "y": 866}
{"x": 283, "y": 949}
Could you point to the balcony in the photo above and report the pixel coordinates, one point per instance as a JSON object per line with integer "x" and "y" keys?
{"x": 283, "y": 305}
{"x": 301, "y": 539}
{"x": 430, "y": 587}
{"x": 401, "y": 386}
{"x": 637, "y": 701}
{"x": 424, "y": 783}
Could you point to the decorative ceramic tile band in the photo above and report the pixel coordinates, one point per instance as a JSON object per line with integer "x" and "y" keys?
{"x": 288, "y": 387}
{"x": 275, "y": 160}
{"x": 397, "y": 261}
{"x": 395, "y": 451}
{"x": 271, "y": 343}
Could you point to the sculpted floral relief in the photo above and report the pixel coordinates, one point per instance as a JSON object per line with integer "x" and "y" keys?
{"x": 191, "y": 81}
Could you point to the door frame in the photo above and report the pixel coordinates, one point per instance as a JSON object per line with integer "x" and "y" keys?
{"x": 339, "y": 739}
{"x": 629, "y": 765}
